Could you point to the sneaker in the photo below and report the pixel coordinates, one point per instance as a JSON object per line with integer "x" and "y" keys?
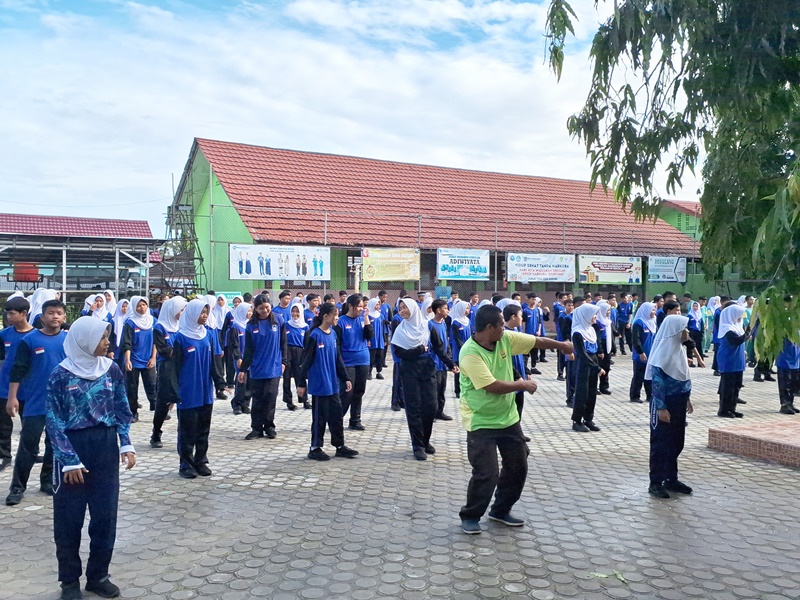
{"x": 637, "y": 400}
{"x": 318, "y": 454}
{"x": 237, "y": 411}
{"x": 471, "y": 526}
{"x": 357, "y": 426}
{"x": 738, "y": 415}
{"x": 168, "y": 417}
{"x": 758, "y": 379}
{"x": 658, "y": 490}
{"x": 726, "y": 414}
{"x": 579, "y": 427}
{"x": 14, "y": 497}
{"x": 535, "y": 371}
{"x": 203, "y": 470}
{"x": 716, "y": 374}
{"x": 103, "y": 588}
{"x": 560, "y": 378}
{"x": 291, "y": 406}
{"x": 623, "y": 353}
{"x": 740, "y": 401}
{"x": 254, "y": 434}
{"x": 188, "y": 473}
{"x": 395, "y": 407}
{"x": 4, "y": 463}
{"x": 507, "y": 519}
{"x": 677, "y": 486}
{"x": 444, "y": 417}
{"x": 429, "y": 449}
{"x": 307, "y": 405}
{"x": 543, "y": 360}
{"x": 221, "y": 395}
{"x": 156, "y": 442}
{"x": 345, "y": 452}
{"x": 591, "y": 426}
{"x": 605, "y": 392}
{"x": 47, "y": 488}
{"x": 379, "y": 376}
{"x": 419, "y": 454}
{"x": 384, "y": 366}
{"x": 769, "y": 378}
{"x": 71, "y": 591}
{"x": 271, "y": 433}
{"x": 245, "y": 410}
{"x": 796, "y": 410}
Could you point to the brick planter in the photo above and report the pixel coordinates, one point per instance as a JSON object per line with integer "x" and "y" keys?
{"x": 776, "y": 442}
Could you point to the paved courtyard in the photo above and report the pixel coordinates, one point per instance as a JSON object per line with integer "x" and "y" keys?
{"x": 270, "y": 523}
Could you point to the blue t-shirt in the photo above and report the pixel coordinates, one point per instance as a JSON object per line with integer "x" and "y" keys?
{"x": 10, "y": 338}
{"x": 285, "y": 314}
{"x": 167, "y": 339}
{"x": 241, "y": 339}
{"x": 647, "y": 343}
{"x": 623, "y": 312}
{"x": 267, "y": 349}
{"x": 195, "y": 382}
{"x": 141, "y": 345}
{"x": 789, "y": 358}
{"x": 461, "y": 333}
{"x": 441, "y": 329}
{"x": 296, "y": 335}
{"x": 45, "y": 352}
{"x": 378, "y": 326}
{"x": 355, "y": 350}
{"x": 308, "y": 317}
{"x": 322, "y": 377}
{"x": 730, "y": 357}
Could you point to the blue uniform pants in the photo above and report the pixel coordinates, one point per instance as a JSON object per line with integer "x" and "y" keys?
{"x": 667, "y": 439}
{"x": 6, "y": 428}
{"x": 29, "y": 437}
{"x": 638, "y": 380}
{"x": 98, "y": 450}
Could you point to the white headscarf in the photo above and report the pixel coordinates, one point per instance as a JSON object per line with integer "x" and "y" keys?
{"x": 603, "y": 307}
{"x": 102, "y": 312}
{"x": 412, "y": 332}
{"x": 111, "y": 305}
{"x": 40, "y": 296}
{"x": 212, "y": 319}
{"x": 374, "y": 312}
{"x": 484, "y": 303}
{"x": 668, "y": 353}
{"x": 88, "y": 301}
{"x": 729, "y": 320}
{"x": 188, "y": 324}
{"x": 16, "y": 294}
{"x": 713, "y": 304}
{"x": 79, "y": 347}
{"x": 459, "y": 312}
{"x": 144, "y": 321}
{"x": 501, "y": 304}
{"x": 426, "y": 304}
{"x": 220, "y": 311}
{"x": 168, "y": 315}
{"x": 119, "y": 318}
{"x": 582, "y": 322}
{"x": 643, "y": 314}
{"x": 742, "y": 301}
{"x": 240, "y": 314}
{"x": 299, "y": 322}
{"x": 696, "y": 314}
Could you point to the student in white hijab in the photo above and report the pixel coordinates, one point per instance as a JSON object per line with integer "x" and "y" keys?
{"x": 460, "y": 331}
{"x": 212, "y": 319}
{"x": 587, "y": 368}
{"x": 39, "y": 297}
{"x": 84, "y": 422}
{"x": 111, "y": 301}
{"x": 139, "y": 353}
{"x": 731, "y": 360}
{"x": 167, "y": 390}
{"x": 220, "y": 311}
{"x": 643, "y": 330}
{"x": 668, "y": 369}
{"x": 605, "y": 344}
{"x": 426, "y": 305}
{"x": 88, "y": 305}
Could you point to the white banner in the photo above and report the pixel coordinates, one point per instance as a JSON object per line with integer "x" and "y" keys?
{"x": 600, "y": 270}
{"x": 268, "y": 262}
{"x": 459, "y": 263}
{"x": 540, "y": 267}
{"x": 666, "y": 268}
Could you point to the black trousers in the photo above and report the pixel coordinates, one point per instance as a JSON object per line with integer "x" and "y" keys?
{"x": 242, "y": 394}
{"x": 97, "y": 448}
{"x": 132, "y": 381}
{"x": 28, "y": 449}
{"x": 352, "y": 400}
{"x": 714, "y": 364}
{"x": 638, "y": 380}
{"x": 376, "y": 359}
{"x": 294, "y": 358}
{"x": 421, "y": 406}
{"x": 441, "y": 388}
{"x": 397, "y": 387}
{"x": 219, "y": 362}
{"x": 570, "y": 383}
{"x": 667, "y": 439}
{"x": 697, "y": 338}
{"x": 626, "y": 336}
{"x": 6, "y": 429}
{"x": 534, "y": 355}
{"x": 230, "y": 367}
{"x": 194, "y": 425}
{"x": 487, "y": 478}
{"x": 166, "y": 394}
{"x": 265, "y": 394}
{"x": 729, "y": 385}
{"x": 585, "y": 392}
{"x": 560, "y": 363}
{"x": 326, "y": 411}
{"x": 605, "y": 364}
{"x": 519, "y": 400}
{"x": 788, "y": 385}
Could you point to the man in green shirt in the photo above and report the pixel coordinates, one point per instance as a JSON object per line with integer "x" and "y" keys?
{"x": 489, "y": 414}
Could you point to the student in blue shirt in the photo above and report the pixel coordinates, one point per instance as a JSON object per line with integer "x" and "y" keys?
{"x": 605, "y": 344}
{"x": 16, "y": 328}
{"x": 241, "y": 397}
{"x": 264, "y": 362}
{"x": 139, "y": 350}
{"x": 387, "y": 314}
{"x": 565, "y": 329}
{"x": 167, "y": 388}
{"x": 313, "y": 301}
{"x": 438, "y": 329}
{"x": 324, "y": 369}
{"x": 512, "y": 315}
{"x": 788, "y": 364}
{"x": 193, "y": 350}
{"x": 643, "y": 331}
{"x": 117, "y": 326}
{"x": 460, "y": 330}
{"x": 87, "y": 410}
{"x": 731, "y": 360}
{"x": 531, "y": 317}
{"x": 354, "y": 331}
{"x": 296, "y": 329}
{"x": 624, "y": 312}
{"x": 587, "y": 369}
{"x": 377, "y": 343}
{"x": 342, "y": 300}
{"x": 283, "y": 310}
{"x": 37, "y": 355}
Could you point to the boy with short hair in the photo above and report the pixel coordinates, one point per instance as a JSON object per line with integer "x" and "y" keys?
{"x": 438, "y": 327}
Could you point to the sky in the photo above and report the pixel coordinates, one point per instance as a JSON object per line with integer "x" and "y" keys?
{"x": 101, "y": 99}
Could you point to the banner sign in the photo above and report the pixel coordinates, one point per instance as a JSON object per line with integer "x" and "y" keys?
{"x": 390, "y": 264}
{"x": 268, "y": 262}
{"x": 457, "y": 263}
{"x": 601, "y": 270}
{"x": 666, "y": 268}
{"x": 540, "y": 267}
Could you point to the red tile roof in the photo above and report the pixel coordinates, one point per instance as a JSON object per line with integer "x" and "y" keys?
{"x": 685, "y": 206}
{"x": 73, "y": 227}
{"x": 282, "y": 196}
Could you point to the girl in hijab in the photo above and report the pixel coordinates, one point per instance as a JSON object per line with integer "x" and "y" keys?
{"x": 605, "y": 343}
{"x": 213, "y": 323}
{"x": 587, "y": 368}
{"x": 167, "y": 388}
{"x": 87, "y": 411}
{"x": 378, "y": 343}
{"x": 296, "y": 329}
{"x": 39, "y": 297}
{"x": 100, "y": 309}
{"x": 111, "y": 301}
{"x": 731, "y": 359}
{"x": 355, "y": 331}
{"x": 236, "y": 333}
{"x": 708, "y": 323}
{"x": 88, "y": 305}
{"x": 696, "y": 328}
{"x": 117, "y": 325}
{"x": 139, "y": 350}
{"x": 668, "y": 370}
{"x": 414, "y": 346}
{"x": 194, "y": 347}
{"x": 223, "y": 315}
{"x": 460, "y": 332}
{"x": 643, "y": 331}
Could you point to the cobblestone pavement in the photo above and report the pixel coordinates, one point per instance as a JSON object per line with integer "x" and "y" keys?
{"x": 270, "y": 523}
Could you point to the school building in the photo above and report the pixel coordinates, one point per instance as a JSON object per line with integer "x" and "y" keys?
{"x": 234, "y": 194}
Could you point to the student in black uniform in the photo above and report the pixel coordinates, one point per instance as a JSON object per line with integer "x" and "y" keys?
{"x": 584, "y": 341}
{"x": 438, "y": 328}
{"x": 296, "y": 329}
{"x": 167, "y": 384}
{"x": 565, "y": 326}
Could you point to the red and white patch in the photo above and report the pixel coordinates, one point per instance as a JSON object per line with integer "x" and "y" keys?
{"x": 38, "y": 350}
{"x": 72, "y": 388}
{"x": 255, "y": 330}
{"x": 8, "y": 344}
{"x": 190, "y": 349}
{"x": 136, "y": 330}
{"x": 322, "y": 345}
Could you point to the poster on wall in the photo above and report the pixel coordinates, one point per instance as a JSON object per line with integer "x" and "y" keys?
{"x": 458, "y": 263}
{"x": 666, "y": 268}
{"x": 390, "y": 264}
{"x": 268, "y": 262}
{"x": 601, "y": 270}
{"x": 540, "y": 267}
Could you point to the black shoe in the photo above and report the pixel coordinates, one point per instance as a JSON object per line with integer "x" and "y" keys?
{"x": 716, "y": 373}
{"x": 168, "y": 417}
{"x": 14, "y": 497}
{"x": 758, "y": 379}
{"x": 419, "y": 454}
{"x": 38, "y": 459}
{"x": 611, "y": 362}
{"x": 535, "y": 371}
{"x": 579, "y": 427}
{"x": 156, "y": 442}
{"x": 560, "y": 378}
{"x": 507, "y": 519}
{"x": 357, "y": 426}
{"x": 543, "y": 360}
{"x": 528, "y": 372}
{"x": 624, "y": 353}
{"x": 796, "y": 410}
{"x": 188, "y": 473}
{"x": 369, "y": 377}
{"x": 570, "y": 404}
{"x": 291, "y": 406}
{"x": 307, "y": 405}
{"x": 221, "y": 395}
{"x": 637, "y": 400}
{"x": 591, "y": 426}
{"x": 395, "y": 407}
{"x": 738, "y": 415}
{"x": 379, "y": 376}
{"x": 678, "y": 487}
{"x": 429, "y": 449}
{"x": 4, "y": 463}
{"x": 605, "y": 392}
{"x": 47, "y": 488}
{"x": 237, "y": 411}
{"x": 471, "y": 526}
{"x": 384, "y": 366}
{"x": 135, "y": 419}
{"x": 203, "y": 470}
{"x": 318, "y": 454}
{"x": 345, "y": 452}
{"x": 526, "y": 438}
{"x": 254, "y": 434}
{"x": 271, "y": 433}
{"x": 769, "y": 378}
{"x": 727, "y": 414}
{"x": 71, "y": 591}
{"x": 103, "y": 588}
{"x": 245, "y": 410}
{"x": 444, "y": 417}
{"x": 658, "y": 490}
{"x": 740, "y": 401}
